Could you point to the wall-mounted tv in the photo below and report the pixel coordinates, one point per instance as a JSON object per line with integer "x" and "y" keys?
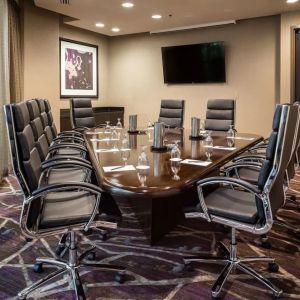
{"x": 197, "y": 63}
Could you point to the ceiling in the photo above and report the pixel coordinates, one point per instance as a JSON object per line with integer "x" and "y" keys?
{"x": 175, "y": 13}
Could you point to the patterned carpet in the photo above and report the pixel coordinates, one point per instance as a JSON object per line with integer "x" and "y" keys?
{"x": 153, "y": 272}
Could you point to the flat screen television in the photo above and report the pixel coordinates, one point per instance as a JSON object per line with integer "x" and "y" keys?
{"x": 197, "y": 63}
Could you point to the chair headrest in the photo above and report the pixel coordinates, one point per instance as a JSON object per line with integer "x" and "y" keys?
{"x": 41, "y": 104}
{"x": 176, "y": 104}
{"x": 33, "y": 109}
{"x": 21, "y": 114}
{"x": 81, "y": 103}
{"x": 221, "y": 104}
{"x": 276, "y": 118}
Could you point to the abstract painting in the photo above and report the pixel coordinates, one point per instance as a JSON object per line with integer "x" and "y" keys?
{"x": 78, "y": 69}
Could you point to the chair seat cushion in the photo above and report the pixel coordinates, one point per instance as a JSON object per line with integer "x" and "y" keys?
{"x": 66, "y": 208}
{"x": 67, "y": 175}
{"x": 233, "y": 204}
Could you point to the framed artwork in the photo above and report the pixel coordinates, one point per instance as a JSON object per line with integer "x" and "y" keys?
{"x": 78, "y": 69}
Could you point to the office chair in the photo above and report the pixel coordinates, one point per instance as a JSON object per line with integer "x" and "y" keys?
{"x": 172, "y": 113}
{"x": 245, "y": 206}
{"x": 49, "y": 209}
{"x": 220, "y": 114}
{"x": 248, "y": 168}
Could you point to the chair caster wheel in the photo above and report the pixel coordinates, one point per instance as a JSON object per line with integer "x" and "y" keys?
{"x": 28, "y": 240}
{"x": 120, "y": 277}
{"x": 293, "y": 198}
{"x": 104, "y": 237}
{"x": 91, "y": 256}
{"x": 59, "y": 249}
{"x": 188, "y": 267}
{"x": 273, "y": 267}
{"x": 37, "y": 268}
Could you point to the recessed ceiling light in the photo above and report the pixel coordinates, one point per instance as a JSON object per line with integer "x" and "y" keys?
{"x": 115, "y": 29}
{"x": 156, "y": 17}
{"x": 127, "y": 4}
{"x": 99, "y": 25}
{"x": 291, "y": 1}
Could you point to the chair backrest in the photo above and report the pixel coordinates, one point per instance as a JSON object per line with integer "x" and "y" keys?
{"x": 50, "y": 117}
{"x": 41, "y": 141}
{"x": 25, "y": 156}
{"x": 82, "y": 114}
{"x": 172, "y": 113}
{"x": 220, "y": 114}
{"x": 278, "y": 154}
{"x": 291, "y": 167}
{"x": 45, "y": 120}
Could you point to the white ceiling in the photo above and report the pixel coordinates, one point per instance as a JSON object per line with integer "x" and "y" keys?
{"x": 175, "y": 13}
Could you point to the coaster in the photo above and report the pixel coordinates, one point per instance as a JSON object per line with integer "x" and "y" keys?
{"x": 162, "y": 149}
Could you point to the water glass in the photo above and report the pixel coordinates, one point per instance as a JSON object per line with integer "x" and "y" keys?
{"x": 119, "y": 124}
{"x": 231, "y": 132}
{"x": 143, "y": 166}
{"x": 125, "y": 151}
{"x": 208, "y": 146}
{"x": 175, "y": 152}
{"x": 175, "y": 167}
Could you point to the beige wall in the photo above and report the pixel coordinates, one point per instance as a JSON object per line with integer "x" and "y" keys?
{"x": 130, "y": 68}
{"x": 136, "y": 75}
{"x": 288, "y": 21}
{"x": 41, "y": 32}
{"x": 41, "y": 55}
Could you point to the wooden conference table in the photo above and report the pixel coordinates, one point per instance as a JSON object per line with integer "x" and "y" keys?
{"x": 157, "y": 206}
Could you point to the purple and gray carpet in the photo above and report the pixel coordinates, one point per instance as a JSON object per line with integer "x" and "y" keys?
{"x": 153, "y": 272}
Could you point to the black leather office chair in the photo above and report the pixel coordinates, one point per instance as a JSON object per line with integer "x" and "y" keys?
{"x": 220, "y": 115}
{"x": 172, "y": 113}
{"x": 82, "y": 115}
{"x": 247, "y": 207}
{"x": 62, "y": 207}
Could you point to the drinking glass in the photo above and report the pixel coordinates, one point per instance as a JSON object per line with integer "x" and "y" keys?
{"x": 115, "y": 138}
{"x": 208, "y": 146}
{"x": 143, "y": 161}
{"x": 107, "y": 130}
{"x": 175, "y": 152}
{"x": 202, "y": 127}
{"x": 119, "y": 124}
{"x": 230, "y": 136}
{"x": 175, "y": 167}
{"x": 125, "y": 150}
{"x": 143, "y": 166}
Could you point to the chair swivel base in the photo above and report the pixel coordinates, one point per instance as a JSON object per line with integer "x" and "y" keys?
{"x": 231, "y": 262}
{"x": 71, "y": 266}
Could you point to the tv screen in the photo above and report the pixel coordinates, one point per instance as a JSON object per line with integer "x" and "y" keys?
{"x": 199, "y": 63}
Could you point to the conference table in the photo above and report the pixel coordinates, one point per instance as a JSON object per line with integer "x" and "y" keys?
{"x": 157, "y": 201}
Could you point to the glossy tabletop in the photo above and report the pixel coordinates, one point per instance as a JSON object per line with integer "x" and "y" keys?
{"x": 160, "y": 180}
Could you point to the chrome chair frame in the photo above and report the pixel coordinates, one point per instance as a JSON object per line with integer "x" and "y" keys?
{"x": 229, "y": 257}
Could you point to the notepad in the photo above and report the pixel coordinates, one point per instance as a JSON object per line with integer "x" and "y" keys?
{"x": 196, "y": 162}
{"x": 94, "y": 132}
{"x": 119, "y": 168}
{"x": 224, "y": 148}
{"x": 243, "y": 138}
{"x": 103, "y": 140}
{"x": 107, "y": 150}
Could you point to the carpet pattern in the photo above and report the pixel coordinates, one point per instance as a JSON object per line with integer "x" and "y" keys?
{"x": 152, "y": 272}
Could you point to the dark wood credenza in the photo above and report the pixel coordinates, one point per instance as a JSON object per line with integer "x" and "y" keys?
{"x": 101, "y": 114}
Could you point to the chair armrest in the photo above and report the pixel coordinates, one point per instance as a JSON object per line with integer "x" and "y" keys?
{"x": 66, "y": 164}
{"x": 80, "y": 128}
{"x": 223, "y": 180}
{"x": 230, "y": 181}
{"x": 100, "y": 126}
{"x": 67, "y": 145}
{"x": 65, "y": 158}
{"x": 69, "y": 137}
{"x": 259, "y": 146}
{"x": 70, "y": 132}
{"x": 58, "y": 187}
{"x": 253, "y": 158}
{"x": 246, "y": 164}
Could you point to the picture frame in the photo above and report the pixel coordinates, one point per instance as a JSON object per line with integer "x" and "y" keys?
{"x": 78, "y": 69}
